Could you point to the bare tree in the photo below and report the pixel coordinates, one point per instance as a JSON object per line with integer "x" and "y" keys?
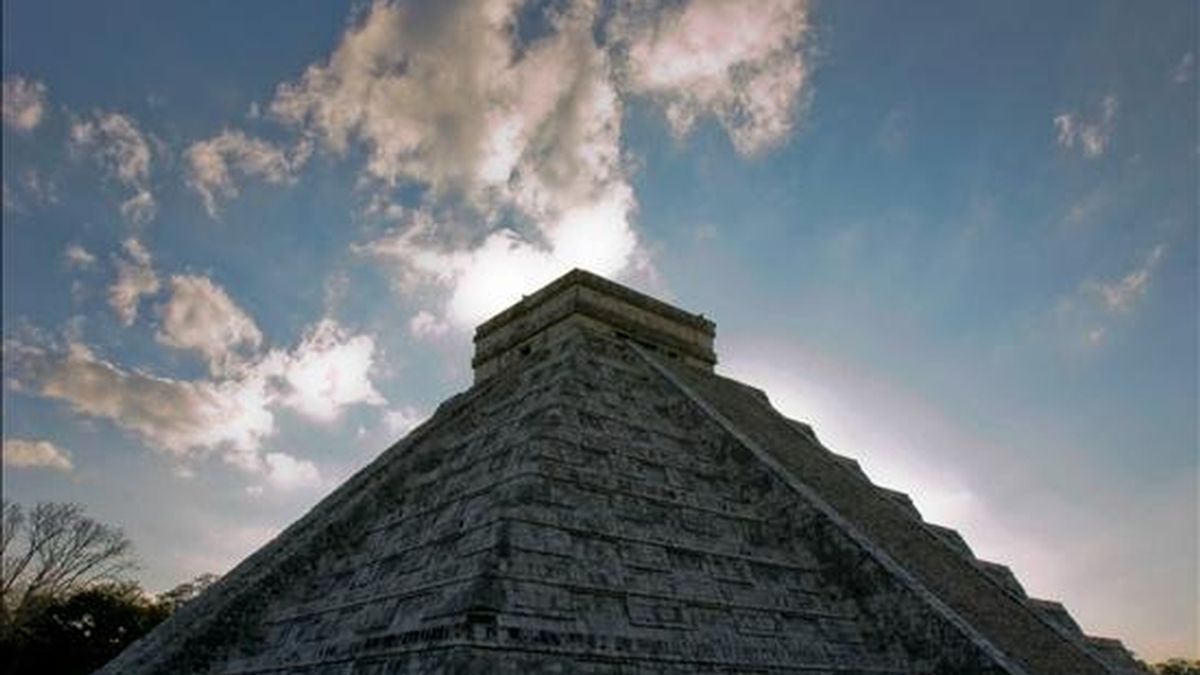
{"x": 55, "y": 549}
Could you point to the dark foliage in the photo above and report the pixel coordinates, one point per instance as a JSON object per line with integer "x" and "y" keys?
{"x": 186, "y": 592}
{"x": 1176, "y": 667}
{"x": 52, "y": 551}
{"x": 80, "y": 632}
{"x": 66, "y": 605}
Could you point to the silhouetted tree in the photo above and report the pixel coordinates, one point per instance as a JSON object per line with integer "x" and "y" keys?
{"x": 1176, "y": 667}
{"x": 186, "y": 592}
{"x": 51, "y": 551}
{"x": 65, "y": 607}
{"x": 81, "y": 632}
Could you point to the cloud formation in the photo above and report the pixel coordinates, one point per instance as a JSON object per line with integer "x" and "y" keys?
{"x": 232, "y": 412}
{"x": 23, "y": 103}
{"x": 514, "y": 138}
{"x": 1183, "y": 71}
{"x": 328, "y": 371}
{"x": 213, "y": 163}
{"x": 425, "y": 326}
{"x": 31, "y": 188}
{"x": 177, "y": 416}
{"x": 483, "y": 279}
{"x": 285, "y": 472}
{"x": 1091, "y": 309}
{"x": 114, "y": 142}
{"x": 1091, "y": 136}
{"x": 1120, "y": 295}
{"x": 200, "y": 316}
{"x": 23, "y": 454}
{"x": 741, "y": 62}
{"x": 428, "y": 90}
{"x": 404, "y": 419}
{"x": 78, "y": 257}
{"x": 230, "y": 415}
{"x": 522, "y": 135}
{"x": 535, "y": 134}
{"x": 135, "y": 278}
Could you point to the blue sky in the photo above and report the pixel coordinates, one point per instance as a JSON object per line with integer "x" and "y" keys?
{"x": 244, "y": 246}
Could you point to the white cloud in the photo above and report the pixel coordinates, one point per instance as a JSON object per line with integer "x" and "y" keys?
{"x": 1088, "y": 317}
{"x": 115, "y": 143}
{"x": 140, "y": 208}
{"x": 211, "y": 164}
{"x": 30, "y": 189}
{"x": 1092, "y": 136}
{"x": 178, "y": 416}
{"x": 530, "y": 134}
{"x": 78, "y": 257}
{"x": 201, "y": 316}
{"x": 494, "y": 274}
{"x": 447, "y": 100}
{"x": 739, "y": 61}
{"x": 328, "y": 371}
{"x": 285, "y": 472}
{"x": 135, "y": 278}
{"x": 415, "y": 95}
{"x": 1065, "y": 124}
{"x": 23, "y": 103}
{"x": 1184, "y": 70}
{"x": 1119, "y": 296}
{"x": 230, "y": 416}
{"x": 522, "y": 138}
{"x": 30, "y": 454}
{"x": 426, "y": 326}
{"x": 403, "y": 420}
{"x": 40, "y": 189}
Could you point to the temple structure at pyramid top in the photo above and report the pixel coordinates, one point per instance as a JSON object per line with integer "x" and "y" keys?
{"x": 580, "y": 298}
{"x": 601, "y": 501}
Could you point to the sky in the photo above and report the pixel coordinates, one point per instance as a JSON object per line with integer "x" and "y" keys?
{"x": 245, "y": 246}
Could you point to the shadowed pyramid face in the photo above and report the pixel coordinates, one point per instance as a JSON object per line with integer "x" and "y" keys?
{"x": 592, "y": 506}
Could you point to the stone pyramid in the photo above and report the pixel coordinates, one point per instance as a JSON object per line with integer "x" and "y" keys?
{"x": 599, "y": 501}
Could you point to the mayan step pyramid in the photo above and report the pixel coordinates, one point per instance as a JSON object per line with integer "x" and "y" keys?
{"x": 599, "y": 501}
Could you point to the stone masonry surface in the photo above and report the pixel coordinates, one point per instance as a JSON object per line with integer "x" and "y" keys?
{"x": 594, "y": 507}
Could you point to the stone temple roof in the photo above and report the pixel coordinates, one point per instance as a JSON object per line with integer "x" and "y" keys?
{"x": 582, "y": 297}
{"x": 601, "y": 502}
